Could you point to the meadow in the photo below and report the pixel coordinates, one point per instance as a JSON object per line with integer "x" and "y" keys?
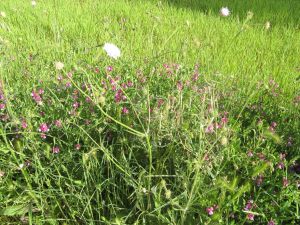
{"x": 149, "y": 112}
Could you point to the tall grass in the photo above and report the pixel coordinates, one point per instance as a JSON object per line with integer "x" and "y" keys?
{"x": 196, "y": 123}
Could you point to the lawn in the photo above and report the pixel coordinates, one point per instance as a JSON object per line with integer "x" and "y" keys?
{"x": 195, "y": 121}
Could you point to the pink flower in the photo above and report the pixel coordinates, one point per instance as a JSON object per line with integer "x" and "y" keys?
{"x": 58, "y": 123}
{"x": 282, "y": 156}
{"x": 68, "y": 84}
{"x": 2, "y": 106}
{"x": 218, "y": 126}
{"x": 196, "y": 76}
{"x": 129, "y": 84}
{"x": 250, "y": 153}
{"x": 224, "y": 120}
{"x": 210, "y": 210}
{"x": 75, "y": 105}
{"x": 55, "y": 150}
{"x": 249, "y": 205}
{"x": 119, "y": 96}
{"x": 59, "y": 78}
{"x": 250, "y": 216}
{"x": 24, "y": 124}
{"x": 271, "y": 222}
{"x": 109, "y": 68}
{"x": 179, "y": 86}
{"x": 43, "y": 136}
{"x": 280, "y": 165}
{"x": 36, "y": 97}
{"x": 125, "y": 110}
{"x": 41, "y": 91}
{"x": 209, "y": 129}
{"x": 77, "y": 146}
{"x": 43, "y": 128}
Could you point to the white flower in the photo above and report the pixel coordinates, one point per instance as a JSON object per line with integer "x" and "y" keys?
{"x": 224, "y": 11}
{"x": 2, "y": 14}
{"x": 59, "y": 65}
{"x": 33, "y": 3}
{"x": 112, "y": 50}
{"x": 21, "y": 166}
{"x": 268, "y": 25}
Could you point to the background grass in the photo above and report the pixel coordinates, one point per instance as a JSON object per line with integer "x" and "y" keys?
{"x": 161, "y": 167}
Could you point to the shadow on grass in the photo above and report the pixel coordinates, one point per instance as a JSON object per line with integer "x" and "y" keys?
{"x": 278, "y": 12}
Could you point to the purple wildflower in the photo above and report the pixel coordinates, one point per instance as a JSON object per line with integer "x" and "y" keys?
{"x": 43, "y": 128}
{"x": 55, "y": 150}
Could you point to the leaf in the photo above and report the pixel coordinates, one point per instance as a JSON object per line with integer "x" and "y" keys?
{"x": 260, "y": 169}
{"x": 14, "y": 210}
{"x": 268, "y": 134}
{"x": 241, "y": 190}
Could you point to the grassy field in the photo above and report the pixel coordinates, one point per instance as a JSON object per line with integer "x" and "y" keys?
{"x": 197, "y": 122}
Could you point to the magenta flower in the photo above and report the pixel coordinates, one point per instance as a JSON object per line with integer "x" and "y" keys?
{"x": 68, "y": 84}
{"x": 59, "y": 78}
{"x": 55, "y": 150}
{"x": 125, "y": 110}
{"x": 280, "y": 165}
{"x": 129, "y": 83}
{"x": 196, "y": 76}
{"x": 58, "y": 123}
{"x": 250, "y": 154}
{"x": 218, "y": 125}
{"x": 119, "y": 96}
{"x": 2, "y": 106}
{"x": 179, "y": 86}
{"x": 250, "y": 216}
{"x": 43, "y": 128}
{"x": 75, "y": 105}
{"x": 24, "y": 124}
{"x": 210, "y": 210}
{"x": 36, "y": 97}
{"x": 88, "y": 99}
{"x": 271, "y": 222}
{"x": 209, "y": 129}
{"x": 109, "y": 68}
{"x": 224, "y": 120}
{"x": 249, "y": 205}
{"x": 41, "y": 91}
{"x": 282, "y": 156}
{"x": 69, "y": 75}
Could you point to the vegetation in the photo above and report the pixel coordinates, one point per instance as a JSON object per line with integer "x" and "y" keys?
{"x": 196, "y": 122}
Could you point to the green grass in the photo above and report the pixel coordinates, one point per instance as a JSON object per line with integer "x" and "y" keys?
{"x": 158, "y": 164}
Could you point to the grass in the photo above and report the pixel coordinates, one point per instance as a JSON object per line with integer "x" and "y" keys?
{"x": 196, "y": 123}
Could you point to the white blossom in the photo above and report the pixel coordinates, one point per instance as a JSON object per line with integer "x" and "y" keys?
{"x": 112, "y": 50}
{"x": 224, "y": 11}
